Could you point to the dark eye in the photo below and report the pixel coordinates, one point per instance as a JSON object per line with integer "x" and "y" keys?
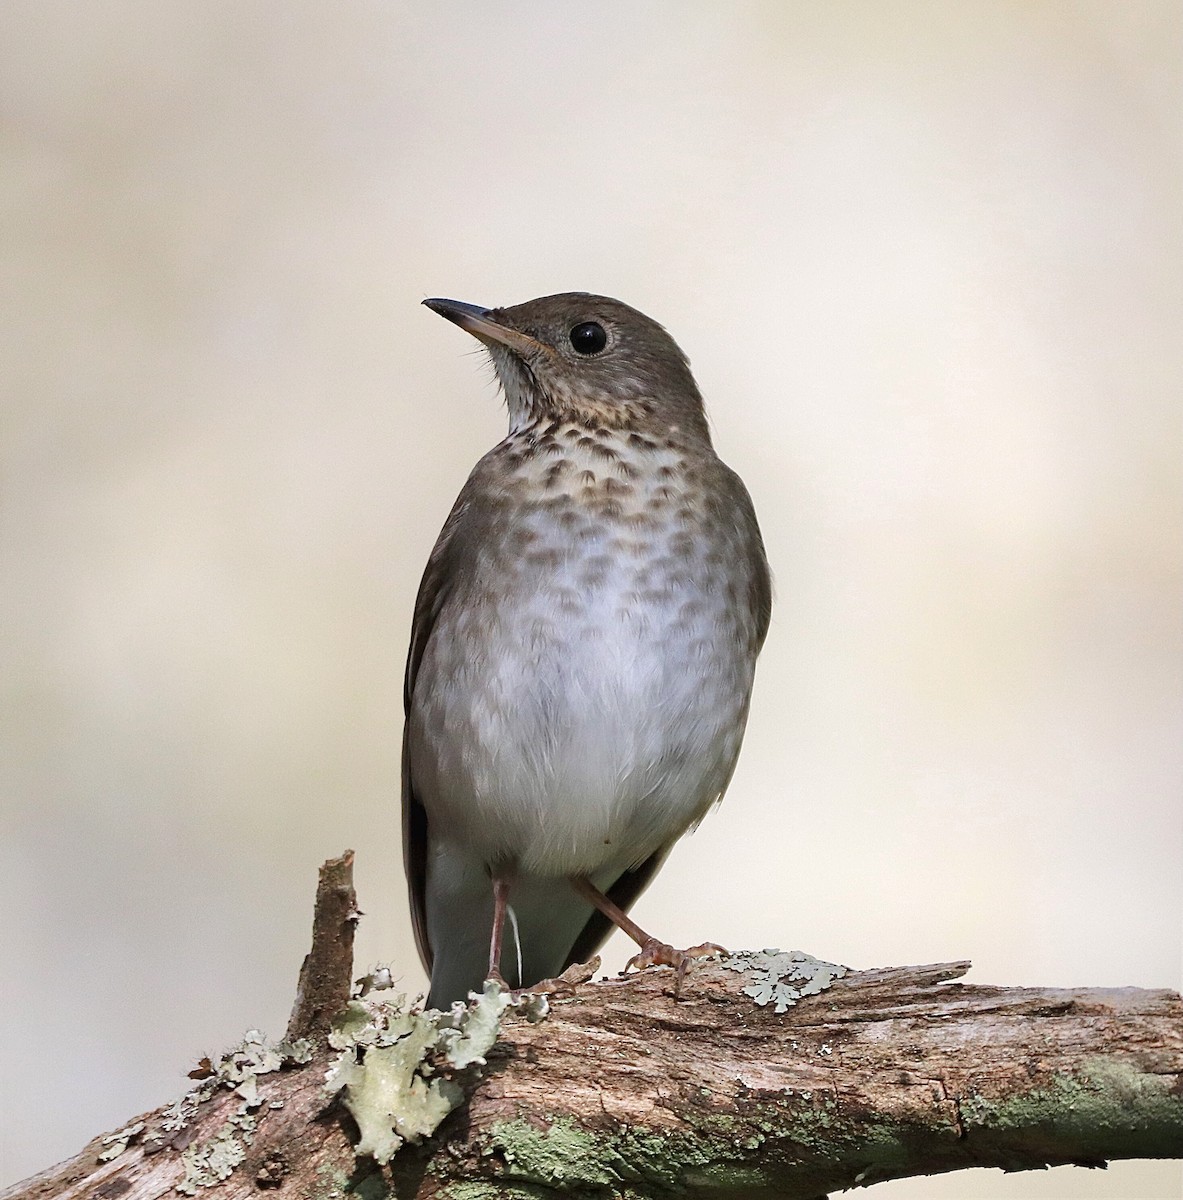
{"x": 588, "y": 338}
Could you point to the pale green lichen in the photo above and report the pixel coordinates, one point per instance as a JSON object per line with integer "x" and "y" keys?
{"x": 389, "y": 1096}
{"x": 332, "y": 1182}
{"x": 398, "y": 1063}
{"x": 117, "y": 1142}
{"x": 782, "y": 977}
{"x": 474, "y": 1030}
{"x": 213, "y": 1160}
{"x": 257, "y": 1056}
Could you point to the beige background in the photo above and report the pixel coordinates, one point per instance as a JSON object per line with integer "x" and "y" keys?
{"x": 926, "y": 261}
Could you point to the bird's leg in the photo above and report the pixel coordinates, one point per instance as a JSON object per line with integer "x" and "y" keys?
{"x": 653, "y": 953}
{"x": 501, "y": 885}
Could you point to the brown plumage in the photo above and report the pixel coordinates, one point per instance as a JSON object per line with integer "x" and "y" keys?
{"x": 582, "y": 650}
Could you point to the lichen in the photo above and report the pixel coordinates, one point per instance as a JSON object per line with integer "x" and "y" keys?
{"x": 389, "y": 1096}
{"x": 257, "y": 1056}
{"x": 117, "y": 1142}
{"x": 401, "y": 1067}
{"x": 213, "y": 1160}
{"x": 782, "y": 977}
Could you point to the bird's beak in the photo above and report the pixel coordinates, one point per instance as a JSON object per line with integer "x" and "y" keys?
{"x": 482, "y": 324}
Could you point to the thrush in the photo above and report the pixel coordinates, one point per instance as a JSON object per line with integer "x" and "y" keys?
{"x": 582, "y": 652}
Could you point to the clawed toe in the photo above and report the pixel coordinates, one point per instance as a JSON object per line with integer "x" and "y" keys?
{"x": 660, "y": 954}
{"x": 707, "y": 950}
{"x": 567, "y": 982}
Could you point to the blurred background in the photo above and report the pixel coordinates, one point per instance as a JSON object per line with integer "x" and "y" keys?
{"x": 926, "y": 260}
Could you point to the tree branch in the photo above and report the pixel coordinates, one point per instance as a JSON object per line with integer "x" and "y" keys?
{"x": 624, "y": 1091}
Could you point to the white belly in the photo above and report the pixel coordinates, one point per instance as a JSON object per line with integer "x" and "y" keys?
{"x": 585, "y": 703}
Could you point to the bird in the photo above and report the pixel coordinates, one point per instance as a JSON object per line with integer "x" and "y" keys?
{"x": 582, "y": 650}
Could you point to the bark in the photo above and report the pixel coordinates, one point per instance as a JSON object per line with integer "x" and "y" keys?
{"x": 323, "y": 986}
{"x": 625, "y": 1090}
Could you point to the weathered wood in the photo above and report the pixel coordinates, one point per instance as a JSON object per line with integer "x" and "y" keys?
{"x": 327, "y": 970}
{"x": 625, "y": 1091}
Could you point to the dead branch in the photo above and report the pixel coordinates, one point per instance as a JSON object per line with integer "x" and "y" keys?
{"x": 323, "y": 986}
{"x": 625, "y": 1091}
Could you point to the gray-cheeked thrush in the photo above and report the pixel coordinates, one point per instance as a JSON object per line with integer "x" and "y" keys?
{"x": 582, "y": 652}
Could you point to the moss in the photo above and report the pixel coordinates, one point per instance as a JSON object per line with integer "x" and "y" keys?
{"x": 727, "y": 1177}
{"x": 334, "y": 1183}
{"x": 712, "y": 1153}
{"x": 331, "y": 1183}
{"x": 560, "y": 1155}
{"x": 564, "y": 1157}
{"x": 1106, "y": 1095}
{"x": 372, "y": 1186}
{"x": 496, "y": 1191}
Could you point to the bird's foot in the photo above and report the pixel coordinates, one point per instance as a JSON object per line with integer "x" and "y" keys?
{"x": 659, "y": 954}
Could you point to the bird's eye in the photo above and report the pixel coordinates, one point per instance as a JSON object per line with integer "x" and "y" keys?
{"x": 588, "y": 337}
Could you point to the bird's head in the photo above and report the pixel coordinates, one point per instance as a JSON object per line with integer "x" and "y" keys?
{"x": 585, "y": 358}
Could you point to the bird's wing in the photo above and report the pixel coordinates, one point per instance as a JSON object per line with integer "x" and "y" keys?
{"x": 751, "y": 551}
{"x": 433, "y": 592}
{"x": 415, "y": 858}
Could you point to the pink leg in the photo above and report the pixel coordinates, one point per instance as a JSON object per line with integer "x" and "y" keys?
{"x": 501, "y": 886}
{"x": 652, "y": 953}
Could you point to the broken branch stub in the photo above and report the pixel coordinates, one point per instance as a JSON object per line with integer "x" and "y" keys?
{"x": 327, "y": 971}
